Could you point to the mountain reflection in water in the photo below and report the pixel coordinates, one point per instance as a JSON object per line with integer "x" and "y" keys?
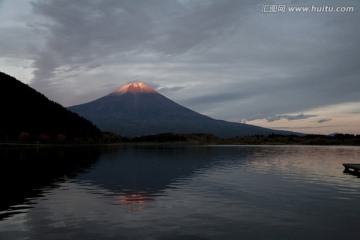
{"x": 193, "y": 192}
{"x": 154, "y": 168}
{"x": 139, "y": 174}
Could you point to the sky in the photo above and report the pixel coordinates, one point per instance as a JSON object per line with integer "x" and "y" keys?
{"x": 255, "y": 62}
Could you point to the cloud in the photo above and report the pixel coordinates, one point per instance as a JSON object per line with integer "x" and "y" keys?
{"x": 313, "y": 127}
{"x": 277, "y": 117}
{"x": 216, "y": 98}
{"x": 170, "y": 89}
{"x": 91, "y": 33}
{"x": 323, "y": 120}
{"x": 262, "y": 59}
{"x": 84, "y": 33}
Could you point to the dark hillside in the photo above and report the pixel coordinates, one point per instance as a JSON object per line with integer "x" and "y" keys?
{"x": 27, "y": 115}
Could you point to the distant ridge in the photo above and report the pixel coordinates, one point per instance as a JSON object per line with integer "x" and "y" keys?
{"x": 136, "y": 109}
{"x": 28, "y": 115}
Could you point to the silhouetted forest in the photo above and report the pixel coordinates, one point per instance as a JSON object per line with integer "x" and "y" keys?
{"x": 272, "y": 139}
{"x": 27, "y": 115}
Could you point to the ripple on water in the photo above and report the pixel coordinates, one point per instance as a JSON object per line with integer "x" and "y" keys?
{"x": 198, "y": 193}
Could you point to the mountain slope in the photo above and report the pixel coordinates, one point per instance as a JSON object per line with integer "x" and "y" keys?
{"x": 136, "y": 109}
{"x": 30, "y": 114}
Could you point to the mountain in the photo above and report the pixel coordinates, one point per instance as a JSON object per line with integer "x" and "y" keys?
{"x": 136, "y": 109}
{"x": 28, "y": 115}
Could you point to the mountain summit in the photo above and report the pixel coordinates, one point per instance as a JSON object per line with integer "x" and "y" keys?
{"x": 136, "y": 109}
{"x": 134, "y": 88}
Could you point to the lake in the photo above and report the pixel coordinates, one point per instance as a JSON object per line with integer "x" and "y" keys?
{"x": 179, "y": 192}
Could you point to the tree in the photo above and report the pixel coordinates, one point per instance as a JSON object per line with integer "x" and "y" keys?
{"x": 24, "y": 136}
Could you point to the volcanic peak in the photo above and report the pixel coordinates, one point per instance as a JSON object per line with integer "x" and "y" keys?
{"x": 134, "y": 88}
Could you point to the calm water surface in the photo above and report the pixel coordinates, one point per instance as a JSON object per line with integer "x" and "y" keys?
{"x": 205, "y": 192}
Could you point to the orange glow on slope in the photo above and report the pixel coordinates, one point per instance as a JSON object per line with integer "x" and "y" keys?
{"x": 134, "y": 88}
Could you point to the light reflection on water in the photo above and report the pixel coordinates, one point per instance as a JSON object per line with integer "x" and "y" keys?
{"x": 206, "y": 192}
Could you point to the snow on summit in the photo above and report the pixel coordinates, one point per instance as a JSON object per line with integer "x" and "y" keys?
{"x": 134, "y": 88}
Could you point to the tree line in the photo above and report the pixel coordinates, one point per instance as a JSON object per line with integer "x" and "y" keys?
{"x": 271, "y": 139}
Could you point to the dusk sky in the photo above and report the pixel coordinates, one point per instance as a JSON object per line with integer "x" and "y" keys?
{"x": 249, "y": 61}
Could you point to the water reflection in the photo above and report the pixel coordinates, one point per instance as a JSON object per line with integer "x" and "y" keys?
{"x": 28, "y": 172}
{"x": 139, "y": 174}
{"x": 316, "y": 164}
{"x": 198, "y": 193}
